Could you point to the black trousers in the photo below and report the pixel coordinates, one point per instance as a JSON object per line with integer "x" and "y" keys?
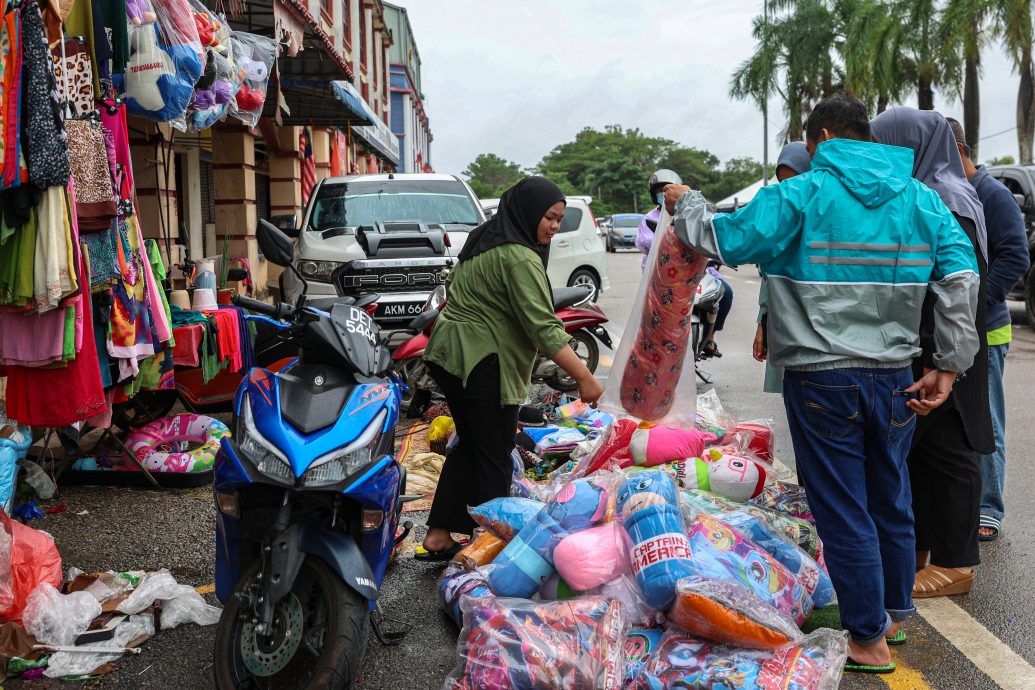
{"x": 945, "y": 474}
{"x": 479, "y": 467}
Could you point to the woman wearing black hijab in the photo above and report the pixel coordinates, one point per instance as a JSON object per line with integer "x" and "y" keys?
{"x": 498, "y": 315}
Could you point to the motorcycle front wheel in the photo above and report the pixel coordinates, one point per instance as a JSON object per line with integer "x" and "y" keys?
{"x": 318, "y": 636}
{"x": 585, "y": 346}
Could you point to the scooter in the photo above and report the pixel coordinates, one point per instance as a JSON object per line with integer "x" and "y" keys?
{"x": 710, "y": 292}
{"x": 582, "y": 319}
{"x": 308, "y": 496}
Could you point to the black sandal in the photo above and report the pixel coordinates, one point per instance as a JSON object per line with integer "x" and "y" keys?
{"x": 425, "y": 556}
{"x": 711, "y": 348}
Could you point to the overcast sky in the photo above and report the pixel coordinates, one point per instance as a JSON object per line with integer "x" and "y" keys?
{"x": 518, "y": 78}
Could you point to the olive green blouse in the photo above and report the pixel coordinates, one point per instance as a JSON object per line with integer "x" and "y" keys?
{"x": 499, "y": 303}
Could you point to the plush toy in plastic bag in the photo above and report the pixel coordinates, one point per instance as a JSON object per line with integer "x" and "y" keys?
{"x": 457, "y": 581}
{"x": 722, "y": 553}
{"x": 514, "y": 644}
{"x": 682, "y": 662}
{"x": 660, "y": 444}
{"x": 166, "y": 60}
{"x": 660, "y": 553}
{"x": 255, "y": 57}
{"x": 526, "y": 563}
{"x": 589, "y": 558}
{"x": 28, "y": 558}
{"x": 582, "y": 503}
{"x": 654, "y": 367}
{"x": 481, "y": 550}
{"x": 214, "y": 91}
{"x": 13, "y": 448}
{"x": 640, "y": 643}
{"x": 735, "y": 477}
{"x": 505, "y": 516}
{"x": 763, "y": 442}
{"x": 726, "y": 612}
{"x": 786, "y": 498}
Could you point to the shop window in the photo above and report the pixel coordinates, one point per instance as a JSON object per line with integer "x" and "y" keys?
{"x": 208, "y": 200}
{"x": 363, "y": 38}
{"x": 346, "y": 20}
{"x": 327, "y": 10}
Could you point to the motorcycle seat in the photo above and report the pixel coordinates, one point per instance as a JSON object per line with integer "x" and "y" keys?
{"x": 569, "y": 297}
{"x": 327, "y": 303}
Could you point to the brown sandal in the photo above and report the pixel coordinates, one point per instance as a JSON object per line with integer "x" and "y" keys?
{"x": 935, "y": 581}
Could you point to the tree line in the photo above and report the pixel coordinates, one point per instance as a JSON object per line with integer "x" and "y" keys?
{"x": 613, "y": 165}
{"x": 887, "y": 51}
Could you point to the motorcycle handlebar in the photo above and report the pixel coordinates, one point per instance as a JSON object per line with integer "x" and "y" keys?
{"x": 277, "y": 311}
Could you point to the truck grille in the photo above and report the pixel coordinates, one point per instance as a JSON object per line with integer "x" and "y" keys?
{"x": 390, "y": 276}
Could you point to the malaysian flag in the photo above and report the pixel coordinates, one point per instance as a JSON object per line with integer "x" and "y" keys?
{"x": 308, "y": 164}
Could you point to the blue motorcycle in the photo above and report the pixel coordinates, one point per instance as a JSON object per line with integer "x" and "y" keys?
{"x": 309, "y": 496}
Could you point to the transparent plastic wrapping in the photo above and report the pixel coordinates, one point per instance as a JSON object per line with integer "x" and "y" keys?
{"x": 655, "y": 445}
{"x": 128, "y": 632}
{"x": 214, "y": 92}
{"x": 726, "y": 612}
{"x": 728, "y": 474}
{"x": 649, "y": 511}
{"x": 515, "y": 644}
{"x": 180, "y": 603}
{"x": 592, "y": 557}
{"x": 763, "y": 439}
{"x": 456, "y": 582}
{"x": 625, "y": 590}
{"x": 682, "y": 661}
{"x": 711, "y": 416}
{"x": 12, "y": 449}
{"x": 57, "y": 619}
{"x": 721, "y": 552}
{"x": 30, "y": 559}
{"x": 482, "y": 549}
{"x": 505, "y": 516}
{"x": 255, "y": 56}
{"x": 653, "y": 374}
{"x": 786, "y": 498}
{"x": 640, "y": 643}
{"x": 166, "y": 60}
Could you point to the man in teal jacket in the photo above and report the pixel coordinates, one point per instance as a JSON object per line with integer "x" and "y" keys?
{"x": 849, "y": 251}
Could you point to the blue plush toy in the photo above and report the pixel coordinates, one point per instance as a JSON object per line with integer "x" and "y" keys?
{"x": 579, "y": 505}
{"x": 160, "y": 77}
{"x": 660, "y": 552}
{"x": 526, "y": 563}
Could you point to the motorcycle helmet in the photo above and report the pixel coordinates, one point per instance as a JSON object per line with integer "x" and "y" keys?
{"x": 660, "y": 179}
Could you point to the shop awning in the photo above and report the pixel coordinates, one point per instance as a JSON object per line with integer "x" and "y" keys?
{"x": 374, "y": 133}
{"x": 317, "y": 102}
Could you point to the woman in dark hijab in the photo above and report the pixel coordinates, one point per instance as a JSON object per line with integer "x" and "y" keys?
{"x": 499, "y": 313}
{"x": 944, "y": 463}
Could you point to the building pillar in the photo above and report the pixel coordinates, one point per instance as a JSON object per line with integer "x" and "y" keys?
{"x": 192, "y": 203}
{"x": 322, "y": 152}
{"x": 154, "y": 177}
{"x": 233, "y": 157}
{"x": 286, "y": 175}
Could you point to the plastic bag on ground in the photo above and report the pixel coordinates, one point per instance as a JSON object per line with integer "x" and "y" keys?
{"x": 456, "y": 582}
{"x": 653, "y": 374}
{"x": 14, "y": 442}
{"x": 30, "y": 559}
{"x": 80, "y": 663}
{"x": 505, "y": 516}
{"x": 482, "y": 549}
{"x": 516, "y": 644}
{"x": 57, "y": 619}
{"x": 726, "y": 612}
{"x": 682, "y": 661}
{"x": 255, "y": 57}
{"x": 180, "y": 603}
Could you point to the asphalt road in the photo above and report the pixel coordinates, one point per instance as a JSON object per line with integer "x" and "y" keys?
{"x": 142, "y": 529}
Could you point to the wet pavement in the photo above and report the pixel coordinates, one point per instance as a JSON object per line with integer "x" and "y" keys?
{"x": 143, "y": 529}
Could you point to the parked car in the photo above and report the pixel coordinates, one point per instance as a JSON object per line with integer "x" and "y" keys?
{"x": 393, "y": 234}
{"x": 1020, "y": 179}
{"x": 622, "y": 234}
{"x": 577, "y": 253}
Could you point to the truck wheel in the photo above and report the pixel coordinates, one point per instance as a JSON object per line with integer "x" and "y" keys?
{"x": 1029, "y": 297}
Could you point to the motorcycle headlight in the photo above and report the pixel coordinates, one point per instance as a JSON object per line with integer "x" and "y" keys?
{"x": 319, "y": 271}
{"x": 339, "y": 464}
{"x": 268, "y": 459}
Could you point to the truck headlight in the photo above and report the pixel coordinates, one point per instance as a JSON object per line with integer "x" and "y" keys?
{"x": 339, "y": 464}
{"x": 320, "y": 271}
{"x": 268, "y": 459}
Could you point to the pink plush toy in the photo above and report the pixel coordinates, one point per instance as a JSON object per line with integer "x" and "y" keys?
{"x": 657, "y": 445}
{"x": 589, "y": 558}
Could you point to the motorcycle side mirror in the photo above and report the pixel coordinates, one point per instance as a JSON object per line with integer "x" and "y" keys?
{"x": 275, "y": 245}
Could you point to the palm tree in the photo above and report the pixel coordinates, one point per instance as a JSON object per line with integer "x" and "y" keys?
{"x": 1013, "y": 19}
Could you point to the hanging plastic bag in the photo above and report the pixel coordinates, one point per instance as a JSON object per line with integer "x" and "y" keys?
{"x": 13, "y": 447}
{"x": 220, "y": 82}
{"x": 30, "y": 558}
{"x": 166, "y": 60}
{"x": 683, "y": 661}
{"x": 57, "y": 619}
{"x": 255, "y": 56}
{"x": 654, "y": 365}
{"x": 516, "y": 644}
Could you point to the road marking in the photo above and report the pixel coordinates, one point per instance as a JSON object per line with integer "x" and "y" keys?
{"x": 606, "y": 360}
{"x": 905, "y": 677}
{"x": 986, "y": 651}
{"x": 205, "y": 589}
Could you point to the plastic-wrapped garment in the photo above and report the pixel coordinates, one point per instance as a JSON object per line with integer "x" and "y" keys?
{"x": 514, "y": 644}
{"x": 723, "y": 553}
{"x": 660, "y": 553}
{"x": 640, "y": 643}
{"x": 786, "y": 498}
{"x": 28, "y": 558}
{"x": 655, "y": 367}
{"x": 166, "y": 60}
{"x": 12, "y": 448}
{"x": 683, "y": 662}
{"x": 180, "y": 603}
{"x": 505, "y": 516}
{"x": 726, "y": 612}
{"x": 255, "y": 56}
{"x": 483, "y": 548}
{"x": 57, "y": 619}
{"x": 456, "y": 582}
{"x": 63, "y": 664}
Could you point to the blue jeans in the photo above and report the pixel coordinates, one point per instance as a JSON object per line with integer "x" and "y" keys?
{"x": 993, "y": 465}
{"x": 851, "y": 431}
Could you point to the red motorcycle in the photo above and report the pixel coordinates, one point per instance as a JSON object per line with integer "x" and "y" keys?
{"x": 582, "y": 319}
